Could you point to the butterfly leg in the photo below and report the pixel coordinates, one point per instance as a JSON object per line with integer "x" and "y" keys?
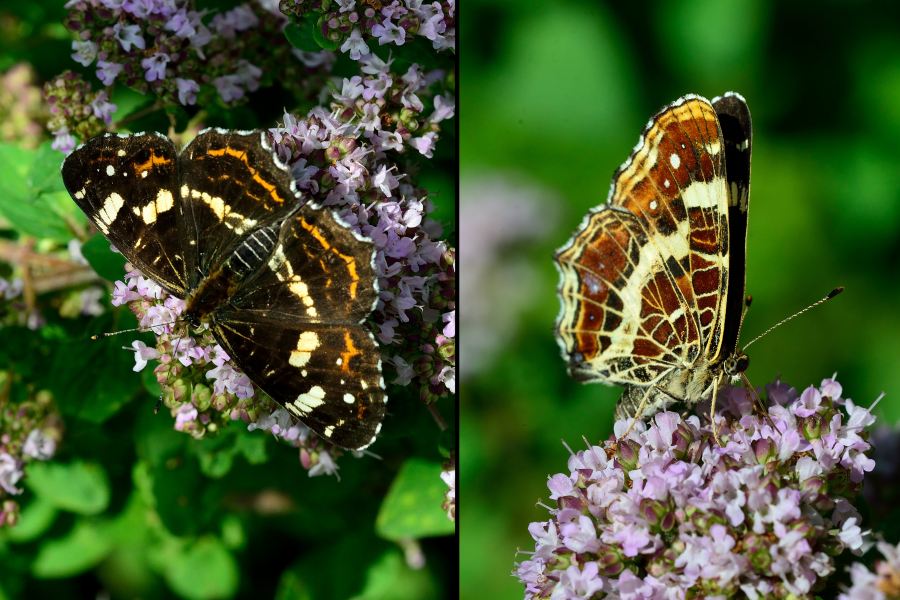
{"x": 712, "y": 410}
{"x": 757, "y": 401}
{"x": 640, "y": 410}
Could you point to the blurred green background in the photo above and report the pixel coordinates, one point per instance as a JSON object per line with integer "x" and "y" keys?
{"x": 553, "y": 98}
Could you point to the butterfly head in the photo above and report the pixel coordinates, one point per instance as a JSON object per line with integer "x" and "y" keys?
{"x": 736, "y": 364}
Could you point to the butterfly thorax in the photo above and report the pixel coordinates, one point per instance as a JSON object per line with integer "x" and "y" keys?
{"x": 218, "y": 287}
{"x": 680, "y": 386}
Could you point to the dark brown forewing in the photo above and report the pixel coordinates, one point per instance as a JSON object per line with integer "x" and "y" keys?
{"x": 734, "y": 118}
{"x": 231, "y": 184}
{"x": 128, "y": 187}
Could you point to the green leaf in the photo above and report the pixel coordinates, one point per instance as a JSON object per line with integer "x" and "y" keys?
{"x": 412, "y": 507}
{"x": 216, "y": 463}
{"x": 202, "y": 570}
{"x": 417, "y": 50}
{"x": 81, "y": 549}
{"x": 32, "y": 197}
{"x": 253, "y": 446}
{"x": 301, "y": 35}
{"x": 442, "y": 192}
{"x": 76, "y": 487}
{"x": 217, "y": 454}
{"x": 16, "y": 162}
{"x": 36, "y": 517}
{"x": 93, "y": 379}
{"x": 44, "y": 175}
{"x": 304, "y": 579}
{"x": 390, "y": 578}
{"x": 108, "y": 264}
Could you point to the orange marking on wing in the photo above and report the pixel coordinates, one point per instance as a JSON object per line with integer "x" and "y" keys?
{"x": 351, "y": 262}
{"x": 349, "y": 353}
{"x": 150, "y": 163}
{"x": 242, "y": 156}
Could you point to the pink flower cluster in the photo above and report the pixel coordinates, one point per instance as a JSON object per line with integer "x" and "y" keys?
{"x": 666, "y": 512}
{"x": 353, "y": 25}
{"x": 161, "y": 45}
{"x": 30, "y": 431}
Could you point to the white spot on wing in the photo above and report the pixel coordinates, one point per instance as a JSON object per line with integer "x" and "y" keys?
{"x": 110, "y": 170}
{"x": 349, "y": 399}
{"x": 110, "y": 208}
{"x": 148, "y": 213}
{"x": 164, "y": 201}
{"x": 306, "y": 344}
{"x": 312, "y": 399}
{"x": 705, "y": 194}
{"x": 674, "y": 160}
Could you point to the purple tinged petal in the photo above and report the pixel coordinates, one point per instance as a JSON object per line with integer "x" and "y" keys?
{"x": 10, "y": 473}
{"x": 808, "y": 404}
{"x": 559, "y": 486}
{"x": 424, "y": 144}
{"x": 187, "y": 91}
{"x": 229, "y": 87}
{"x": 63, "y": 141}
{"x": 831, "y": 388}
{"x": 84, "y": 52}
{"x": 185, "y": 414}
{"x": 780, "y": 393}
{"x": 108, "y": 71}
{"x": 38, "y": 445}
{"x": 128, "y": 36}
{"x": 155, "y": 67}
{"x": 355, "y": 45}
{"x": 142, "y": 354}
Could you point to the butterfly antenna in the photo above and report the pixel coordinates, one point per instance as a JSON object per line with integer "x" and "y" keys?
{"x": 830, "y": 295}
{"x": 97, "y": 336}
